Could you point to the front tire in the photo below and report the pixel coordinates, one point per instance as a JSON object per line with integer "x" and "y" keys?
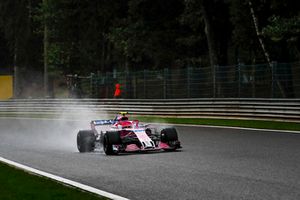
{"x": 109, "y": 139}
{"x": 86, "y": 141}
{"x": 170, "y": 136}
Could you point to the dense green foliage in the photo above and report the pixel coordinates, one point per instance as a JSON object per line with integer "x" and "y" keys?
{"x": 97, "y": 36}
{"x": 16, "y": 184}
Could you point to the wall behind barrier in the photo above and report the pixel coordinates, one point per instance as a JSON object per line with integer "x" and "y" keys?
{"x": 6, "y": 87}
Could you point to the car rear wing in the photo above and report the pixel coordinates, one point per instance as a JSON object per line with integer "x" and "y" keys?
{"x": 102, "y": 122}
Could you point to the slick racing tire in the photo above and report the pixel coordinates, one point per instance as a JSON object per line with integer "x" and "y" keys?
{"x": 109, "y": 139}
{"x": 148, "y": 131}
{"x": 86, "y": 141}
{"x": 169, "y": 135}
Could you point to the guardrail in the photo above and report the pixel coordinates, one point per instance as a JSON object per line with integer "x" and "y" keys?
{"x": 270, "y": 109}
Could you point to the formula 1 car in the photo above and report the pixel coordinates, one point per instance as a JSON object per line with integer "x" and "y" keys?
{"x": 123, "y": 135}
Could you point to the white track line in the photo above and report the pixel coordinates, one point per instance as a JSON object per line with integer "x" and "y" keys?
{"x": 63, "y": 180}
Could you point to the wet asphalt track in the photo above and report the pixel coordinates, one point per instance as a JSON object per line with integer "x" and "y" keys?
{"x": 214, "y": 163}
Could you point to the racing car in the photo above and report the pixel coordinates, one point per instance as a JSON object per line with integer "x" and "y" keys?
{"x": 123, "y": 135}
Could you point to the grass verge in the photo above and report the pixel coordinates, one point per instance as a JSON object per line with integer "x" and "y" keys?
{"x": 259, "y": 124}
{"x": 17, "y": 184}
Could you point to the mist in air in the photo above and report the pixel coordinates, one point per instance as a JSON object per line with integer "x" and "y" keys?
{"x": 58, "y": 133}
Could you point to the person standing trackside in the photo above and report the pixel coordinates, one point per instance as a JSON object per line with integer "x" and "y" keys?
{"x": 118, "y": 91}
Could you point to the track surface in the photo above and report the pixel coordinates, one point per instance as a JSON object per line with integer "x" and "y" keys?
{"x": 215, "y": 163}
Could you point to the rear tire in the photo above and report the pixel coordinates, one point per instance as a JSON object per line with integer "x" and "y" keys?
{"x": 109, "y": 139}
{"x": 86, "y": 141}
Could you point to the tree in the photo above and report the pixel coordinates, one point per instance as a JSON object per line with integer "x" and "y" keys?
{"x": 215, "y": 17}
{"x": 258, "y": 33}
{"x": 147, "y": 35}
{"x": 17, "y": 25}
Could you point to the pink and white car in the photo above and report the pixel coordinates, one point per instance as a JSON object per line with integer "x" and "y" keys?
{"x": 124, "y": 135}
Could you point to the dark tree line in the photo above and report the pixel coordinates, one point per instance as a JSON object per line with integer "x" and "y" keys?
{"x": 87, "y": 36}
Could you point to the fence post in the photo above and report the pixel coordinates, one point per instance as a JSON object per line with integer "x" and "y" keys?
{"x": 91, "y": 85}
{"x": 133, "y": 79}
{"x": 188, "y": 82}
{"x": 144, "y": 81}
{"x": 239, "y": 80}
{"x": 165, "y": 83}
{"x": 253, "y": 81}
{"x": 273, "y": 70}
{"x": 125, "y": 84}
{"x": 107, "y": 95}
{"x": 214, "y": 80}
